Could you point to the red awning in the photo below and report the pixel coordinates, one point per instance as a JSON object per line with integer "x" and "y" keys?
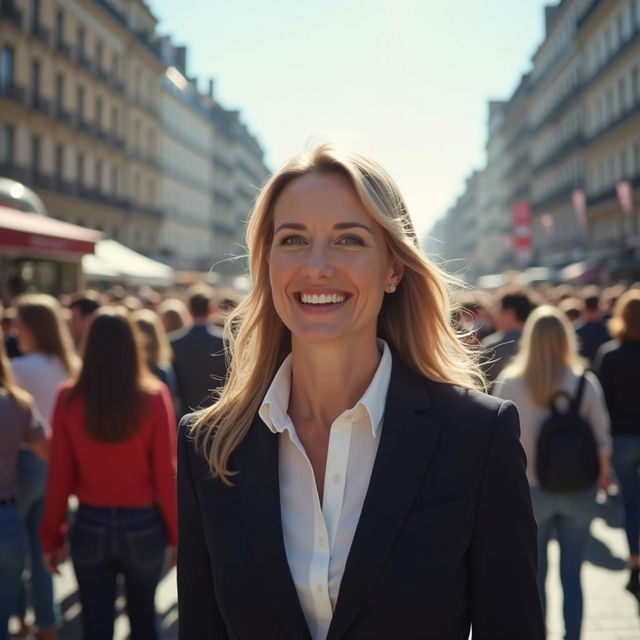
{"x": 34, "y": 234}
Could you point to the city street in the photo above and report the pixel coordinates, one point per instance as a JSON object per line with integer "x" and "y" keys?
{"x": 611, "y": 613}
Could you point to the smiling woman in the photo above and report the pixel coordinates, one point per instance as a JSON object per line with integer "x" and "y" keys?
{"x": 350, "y": 481}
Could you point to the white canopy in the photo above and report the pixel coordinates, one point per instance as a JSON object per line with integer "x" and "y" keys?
{"x": 114, "y": 261}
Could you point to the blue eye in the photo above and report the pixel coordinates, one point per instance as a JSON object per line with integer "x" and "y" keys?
{"x": 351, "y": 241}
{"x": 291, "y": 240}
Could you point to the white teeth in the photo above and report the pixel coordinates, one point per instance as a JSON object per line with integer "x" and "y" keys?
{"x": 333, "y": 298}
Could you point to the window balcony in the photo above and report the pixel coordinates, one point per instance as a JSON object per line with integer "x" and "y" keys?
{"x": 8, "y": 11}
{"x": 63, "y": 49}
{"x": 84, "y": 126}
{"x": 42, "y": 180}
{"x": 14, "y": 92}
{"x": 40, "y": 104}
{"x": 13, "y": 171}
{"x": 62, "y": 115}
{"x": 83, "y": 61}
{"x": 40, "y": 33}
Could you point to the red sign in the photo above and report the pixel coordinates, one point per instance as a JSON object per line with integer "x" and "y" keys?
{"x": 521, "y": 226}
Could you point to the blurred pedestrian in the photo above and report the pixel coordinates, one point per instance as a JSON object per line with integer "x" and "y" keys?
{"x": 350, "y": 481}
{"x": 19, "y": 425}
{"x": 198, "y": 354}
{"x": 83, "y": 307}
{"x": 174, "y": 315}
{"x": 514, "y": 307}
{"x": 617, "y": 365}
{"x": 156, "y": 347}
{"x": 592, "y": 330}
{"x": 8, "y": 329}
{"x": 44, "y": 338}
{"x": 547, "y": 363}
{"x": 113, "y": 448}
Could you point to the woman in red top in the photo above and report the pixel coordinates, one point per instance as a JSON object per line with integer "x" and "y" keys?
{"x": 113, "y": 447}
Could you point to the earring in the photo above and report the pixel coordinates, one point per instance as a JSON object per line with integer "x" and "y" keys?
{"x": 392, "y": 288}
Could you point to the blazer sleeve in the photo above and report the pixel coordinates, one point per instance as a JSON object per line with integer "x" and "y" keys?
{"x": 199, "y": 616}
{"x": 505, "y": 603}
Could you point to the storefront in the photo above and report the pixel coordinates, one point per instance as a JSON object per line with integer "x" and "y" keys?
{"x": 38, "y": 253}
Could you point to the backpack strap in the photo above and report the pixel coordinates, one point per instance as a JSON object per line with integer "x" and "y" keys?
{"x": 575, "y": 403}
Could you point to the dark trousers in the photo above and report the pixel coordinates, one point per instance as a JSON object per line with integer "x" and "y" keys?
{"x": 106, "y": 542}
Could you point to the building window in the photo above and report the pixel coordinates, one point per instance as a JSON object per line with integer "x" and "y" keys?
{"x": 98, "y": 108}
{"x": 80, "y": 102}
{"x": 622, "y": 98}
{"x": 36, "y": 148}
{"x": 59, "y": 27}
{"x": 80, "y": 41}
{"x": 114, "y": 120}
{"x": 59, "y": 92}
{"x": 6, "y": 69}
{"x": 7, "y": 144}
{"x": 35, "y": 80}
{"x": 99, "y": 55}
{"x": 35, "y": 15}
{"x": 114, "y": 181}
{"x": 98, "y": 175}
{"x": 59, "y": 168}
{"x": 80, "y": 169}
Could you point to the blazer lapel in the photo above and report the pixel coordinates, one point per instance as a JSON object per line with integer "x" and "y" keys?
{"x": 407, "y": 443}
{"x": 258, "y": 482}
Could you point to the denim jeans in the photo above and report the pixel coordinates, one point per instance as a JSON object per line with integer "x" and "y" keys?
{"x": 105, "y": 542}
{"x": 569, "y": 516}
{"x": 626, "y": 462}
{"x": 13, "y": 554}
{"x": 32, "y": 479}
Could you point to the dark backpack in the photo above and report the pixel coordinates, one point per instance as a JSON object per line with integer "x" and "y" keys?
{"x": 567, "y": 455}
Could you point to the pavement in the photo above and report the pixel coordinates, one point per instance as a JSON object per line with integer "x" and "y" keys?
{"x": 610, "y": 612}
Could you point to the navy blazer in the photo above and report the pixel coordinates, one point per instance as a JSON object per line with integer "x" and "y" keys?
{"x": 446, "y": 539}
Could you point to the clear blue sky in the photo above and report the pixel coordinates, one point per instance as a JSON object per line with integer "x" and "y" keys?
{"x": 406, "y": 81}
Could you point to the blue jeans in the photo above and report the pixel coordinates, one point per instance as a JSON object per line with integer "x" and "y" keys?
{"x": 569, "y": 515}
{"x": 13, "y": 554}
{"x": 105, "y": 542}
{"x": 32, "y": 480}
{"x": 626, "y": 462}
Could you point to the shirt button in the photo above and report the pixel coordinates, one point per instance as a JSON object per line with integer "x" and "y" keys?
{"x": 321, "y": 541}
{"x": 336, "y": 478}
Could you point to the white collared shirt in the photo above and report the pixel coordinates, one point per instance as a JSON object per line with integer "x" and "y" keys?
{"x": 317, "y": 538}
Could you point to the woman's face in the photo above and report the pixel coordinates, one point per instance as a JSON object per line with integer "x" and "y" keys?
{"x": 329, "y": 263}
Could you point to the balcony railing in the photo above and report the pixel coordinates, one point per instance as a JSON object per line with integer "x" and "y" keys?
{"x": 40, "y": 104}
{"x": 102, "y": 74}
{"x": 13, "y": 171}
{"x": 572, "y": 144}
{"x": 40, "y": 33}
{"x": 628, "y": 114}
{"x": 101, "y": 134}
{"x": 13, "y": 92}
{"x": 42, "y": 180}
{"x": 84, "y": 61}
{"x": 63, "y": 48}
{"x": 10, "y": 12}
{"x": 116, "y": 84}
{"x": 62, "y": 115}
{"x": 84, "y": 125}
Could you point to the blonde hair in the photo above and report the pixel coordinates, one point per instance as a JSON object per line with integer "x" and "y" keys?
{"x": 42, "y": 315}
{"x": 157, "y": 348}
{"x": 415, "y": 321}
{"x": 548, "y": 347}
{"x": 174, "y": 314}
{"x": 625, "y": 324}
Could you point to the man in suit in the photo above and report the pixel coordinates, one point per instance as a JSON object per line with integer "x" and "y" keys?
{"x": 198, "y": 355}
{"x": 501, "y": 346}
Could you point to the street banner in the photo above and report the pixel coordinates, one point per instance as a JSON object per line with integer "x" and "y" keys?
{"x": 625, "y": 197}
{"x": 546, "y": 220}
{"x": 579, "y": 202}
{"x": 521, "y": 227}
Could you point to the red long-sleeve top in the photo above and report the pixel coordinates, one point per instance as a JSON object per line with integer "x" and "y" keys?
{"x": 138, "y": 471}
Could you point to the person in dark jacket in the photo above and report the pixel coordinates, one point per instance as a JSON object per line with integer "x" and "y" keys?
{"x": 617, "y": 365}
{"x": 351, "y": 481}
{"x": 198, "y": 356}
{"x": 592, "y": 331}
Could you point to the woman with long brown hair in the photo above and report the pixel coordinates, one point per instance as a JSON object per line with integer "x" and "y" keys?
{"x": 113, "y": 448}
{"x": 19, "y": 425}
{"x": 350, "y": 480}
{"x": 48, "y": 360}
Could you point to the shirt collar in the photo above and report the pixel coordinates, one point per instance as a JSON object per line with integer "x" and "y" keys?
{"x": 274, "y": 407}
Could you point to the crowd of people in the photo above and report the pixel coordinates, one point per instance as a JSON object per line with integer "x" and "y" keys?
{"x": 91, "y": 387}
{"x": 89, "y": 393}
